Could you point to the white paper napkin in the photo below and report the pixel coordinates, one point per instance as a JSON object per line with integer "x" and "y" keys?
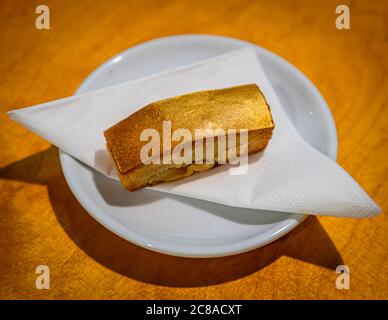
{"x": 289, "y": 176}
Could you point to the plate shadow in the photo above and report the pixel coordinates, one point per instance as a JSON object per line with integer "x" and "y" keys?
{"x": 308, "y": 242}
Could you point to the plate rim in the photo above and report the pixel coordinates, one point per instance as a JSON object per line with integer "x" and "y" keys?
{"x": 223, "y": 250}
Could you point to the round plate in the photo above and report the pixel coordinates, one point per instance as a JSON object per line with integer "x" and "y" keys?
{"x": 182, "y": 226}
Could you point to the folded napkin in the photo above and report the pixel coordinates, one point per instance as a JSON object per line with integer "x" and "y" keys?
{"x": 288, "y": 176}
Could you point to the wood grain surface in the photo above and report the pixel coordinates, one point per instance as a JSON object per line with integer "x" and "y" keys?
{"x": 42, "y": 223}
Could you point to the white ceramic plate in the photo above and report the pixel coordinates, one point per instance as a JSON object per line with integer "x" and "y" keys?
{"x": 188, "y": 227}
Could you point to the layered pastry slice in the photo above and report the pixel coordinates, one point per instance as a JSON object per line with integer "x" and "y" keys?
{"x": 141, "y": 162}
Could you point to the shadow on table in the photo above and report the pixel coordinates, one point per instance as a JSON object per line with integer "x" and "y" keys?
{"x": 309, "y": 242}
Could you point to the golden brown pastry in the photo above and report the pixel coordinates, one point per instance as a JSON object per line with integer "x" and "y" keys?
{"x": 241, "y": 107}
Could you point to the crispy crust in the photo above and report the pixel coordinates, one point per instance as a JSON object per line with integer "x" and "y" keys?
{"x": 241, "y": 107}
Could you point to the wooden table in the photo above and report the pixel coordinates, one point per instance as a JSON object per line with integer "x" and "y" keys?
{"x": 42, "y": 223}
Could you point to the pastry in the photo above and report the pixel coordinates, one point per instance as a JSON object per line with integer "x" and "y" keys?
{"x": 241, "y": 108}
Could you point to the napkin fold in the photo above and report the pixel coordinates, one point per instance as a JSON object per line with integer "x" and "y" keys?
{"x": 288, "y": 176}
